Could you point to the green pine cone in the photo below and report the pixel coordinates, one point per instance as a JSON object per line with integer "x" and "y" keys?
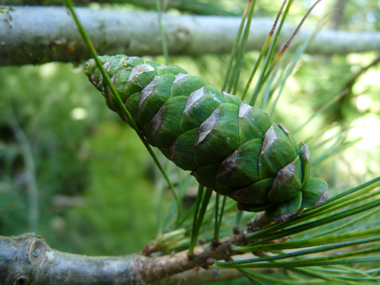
{"x": 228, "y": 145}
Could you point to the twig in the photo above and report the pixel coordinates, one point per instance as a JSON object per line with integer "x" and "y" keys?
{"x": 353, "y": 80}
{"x": 30, "y": 171}
{"x": 37, "y": 264}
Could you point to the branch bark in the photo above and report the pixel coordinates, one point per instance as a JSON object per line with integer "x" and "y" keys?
{"x": 337, "y": 15}
{"x": 184, "y": 6}
{"x": 28, "y": 259}
{"x": 35, "y": 35}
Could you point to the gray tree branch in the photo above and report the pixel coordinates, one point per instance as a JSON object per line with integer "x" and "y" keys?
{"x": 207, "y": 8}
{"x": 34, "y": 35}
{"x": 28, "y": 259}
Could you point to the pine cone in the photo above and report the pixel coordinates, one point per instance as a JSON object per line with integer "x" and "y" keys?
{"x": 228, "y": 145}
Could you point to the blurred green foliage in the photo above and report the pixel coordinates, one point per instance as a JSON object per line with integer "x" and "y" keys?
{"x": 90, "y": 185}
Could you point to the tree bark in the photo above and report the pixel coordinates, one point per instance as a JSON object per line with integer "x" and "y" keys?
{"x": 337, "y": 15}
{"x": 180, "y": 5}
{"x": 28, "y": 259}
{"x": 35, "y": 35}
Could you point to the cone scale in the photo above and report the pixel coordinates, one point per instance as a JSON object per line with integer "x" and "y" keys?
{"x": 227, "y": 145}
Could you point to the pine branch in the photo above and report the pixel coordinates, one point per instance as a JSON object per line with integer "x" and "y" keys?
{"x": 211, "y": 7}
{"x": 34, "y": 35}
{"x": 29, "y": 259}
